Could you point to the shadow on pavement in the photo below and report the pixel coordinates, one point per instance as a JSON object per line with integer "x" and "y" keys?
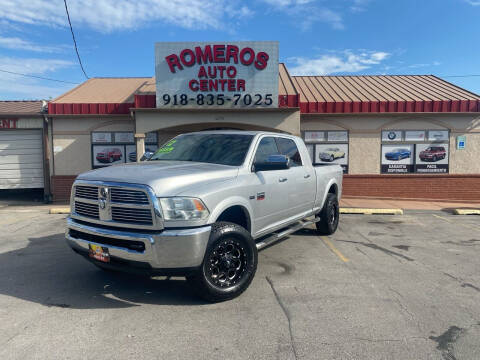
{"x": 48, "y": 272}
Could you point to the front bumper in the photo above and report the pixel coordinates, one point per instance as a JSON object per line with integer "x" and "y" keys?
{"x": 164, "y": 251}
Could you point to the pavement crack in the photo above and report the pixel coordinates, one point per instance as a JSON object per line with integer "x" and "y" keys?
{"x": 376, "y": 247}
{"x": 286, "y": 313}
{"x": 402, "y": 306}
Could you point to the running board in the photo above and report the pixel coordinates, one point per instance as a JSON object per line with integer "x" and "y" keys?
{"x": 279, "y": 236}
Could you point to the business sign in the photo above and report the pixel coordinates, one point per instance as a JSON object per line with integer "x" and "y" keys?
{"x": 461, "y": 142}
{"x": 438, "y": 135}
{"x": 332, "y": 154}
{"x": 392, "y": 135}
{"x": 415, "y": 135}
{"x": 397, "y": 159}
{"x": 101, "y": 137}
{"x": 431, "y": 158}
{"x": 8, "y": 123}
{"x": 314, "y": 136}
{"x": 241, "y": 74}
{"x": 337, "y": 136}
{"x": 124, "y": 137}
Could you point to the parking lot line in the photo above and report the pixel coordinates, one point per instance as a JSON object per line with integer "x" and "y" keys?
{"x": 335, "y": 250}
{"x": 456, "y": 223}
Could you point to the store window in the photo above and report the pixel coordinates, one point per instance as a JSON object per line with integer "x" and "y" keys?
{"x": 415, "y": 151}
{"x": 329, "y": 147}
{"x": 110, "y": 148}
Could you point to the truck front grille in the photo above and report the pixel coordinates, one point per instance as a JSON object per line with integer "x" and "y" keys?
{"x": 86, "y": 192}
{"x": 128, "y": 196}
{"x": 87, "y": 210}
{"x": 115, "y": 205}
{"x": 132, "y": 216}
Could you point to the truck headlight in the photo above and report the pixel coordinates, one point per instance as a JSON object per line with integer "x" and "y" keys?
{"x": 182, "y": 208}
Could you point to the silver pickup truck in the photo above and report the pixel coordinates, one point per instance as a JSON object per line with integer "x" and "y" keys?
{"x": 202, "y": 206}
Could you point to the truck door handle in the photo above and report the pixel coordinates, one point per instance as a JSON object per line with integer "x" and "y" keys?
{"x": 282, "y": 179}
{"x": 306, "y": 176}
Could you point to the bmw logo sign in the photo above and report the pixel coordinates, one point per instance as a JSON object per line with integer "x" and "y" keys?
{"x": 392, "y": 135}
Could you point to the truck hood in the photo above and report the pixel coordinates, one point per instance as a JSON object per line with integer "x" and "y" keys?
{"x": 166, "y": 178}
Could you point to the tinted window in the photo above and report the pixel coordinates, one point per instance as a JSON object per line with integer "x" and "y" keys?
{"x": 225, "y": 149}
{"x": 289, "y": 148}
{"x": 266, "y": 148}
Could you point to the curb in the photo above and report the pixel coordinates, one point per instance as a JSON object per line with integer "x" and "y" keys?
{"x": 366, "y": 211}
{"x": 466, "y": 211}
{"x": 60, "y": 210}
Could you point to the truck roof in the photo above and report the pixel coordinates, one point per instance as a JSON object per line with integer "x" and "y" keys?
{"x": 239, "y": 132}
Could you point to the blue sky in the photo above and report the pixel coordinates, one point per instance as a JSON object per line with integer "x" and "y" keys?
{"x": 116, "y": 37}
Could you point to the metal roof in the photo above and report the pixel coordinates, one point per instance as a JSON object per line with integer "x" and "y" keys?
{"x": 382, "y": 93}
{"x": 21, "y": 107}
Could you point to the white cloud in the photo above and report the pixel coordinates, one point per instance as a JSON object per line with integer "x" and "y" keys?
{"x": 20, "y": 87}
{"x": 346, "y": 62}
{"x": 305, "y": 13}
{"x": 110, "y": 15}
{"x": 16, "y": 43}
{"x": 359, "y": 5}
{"x": 473, "y": 2}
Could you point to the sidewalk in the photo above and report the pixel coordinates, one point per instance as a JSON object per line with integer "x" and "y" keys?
{"x": 406, "y": 204}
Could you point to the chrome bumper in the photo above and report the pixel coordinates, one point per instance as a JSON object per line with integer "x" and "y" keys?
{"x": 168, "y": 249}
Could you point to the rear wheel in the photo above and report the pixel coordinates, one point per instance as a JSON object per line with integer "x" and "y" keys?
{"x": 434, "y": 158}
{"x": 329, "y": 216}
{"x": 332, "y": 158}
{"x": 229, "y": 264}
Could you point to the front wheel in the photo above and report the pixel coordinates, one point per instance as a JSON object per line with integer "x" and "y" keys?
{"x": 329, "y": 216}
{"x": 229, "y": 264}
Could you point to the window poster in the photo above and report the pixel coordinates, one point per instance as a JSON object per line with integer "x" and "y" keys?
{"x": 332, "y": 154}
{"x": 397, "y": 159}
{"x": 106, "y": 155}
{"x": 438, "y": 135}
{"x": 432, "y": 158}
{"x": 124, "y": 137}
{"x": 314, "y": 136}
{"x": 392, "y": 135}
{"x": 415, "y": 135}
{"x": 337, "y": 136}
{"x": 101, "y": 137}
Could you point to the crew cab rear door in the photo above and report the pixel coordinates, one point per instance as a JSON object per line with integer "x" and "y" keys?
{"x": 301, "y": 181}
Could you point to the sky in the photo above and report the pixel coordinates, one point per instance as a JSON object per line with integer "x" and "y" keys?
{"x": 336, "y": 37}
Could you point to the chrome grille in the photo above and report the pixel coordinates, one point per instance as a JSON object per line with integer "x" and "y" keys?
{"x": 128, "y": 196}
{"x": 132, "y": 215}
{"x": 87, "y": 210}
{"x": 86, "y": 192}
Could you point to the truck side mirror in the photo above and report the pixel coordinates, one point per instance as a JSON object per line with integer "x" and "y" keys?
{"x": 273, "y": 162}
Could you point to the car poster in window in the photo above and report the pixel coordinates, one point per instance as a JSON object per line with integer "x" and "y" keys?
{"x": 332, "y": 154}
{"x": 124, "y": 137}
{"x": 438, "y": 135}
{"x": 397, "y": 159}
{"x": 392, "y": 135}
{"x": 101, "y": 137}
{"x": 415, "y": 135}
{"x": 337, "y": 136}
{"x": 314, "y": 136}
{"x": 151, "y": 138}
{"x": 131, "y": 151}
{"x": 432, "y": 158}
{"x": 106, "y": 155}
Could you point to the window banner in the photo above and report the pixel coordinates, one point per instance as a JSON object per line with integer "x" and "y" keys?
{"x": 397, "y": 159}
{"x": 431, "y": 158}
{"x": 332, "y": 154}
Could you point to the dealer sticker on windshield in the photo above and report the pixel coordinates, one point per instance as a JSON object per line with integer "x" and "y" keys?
{"x": 99, "y": 253}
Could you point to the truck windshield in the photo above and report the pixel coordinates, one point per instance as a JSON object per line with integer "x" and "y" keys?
{"x": 224, "y": 149}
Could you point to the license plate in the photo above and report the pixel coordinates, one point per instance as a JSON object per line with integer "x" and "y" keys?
{"x": 99, "y": 253}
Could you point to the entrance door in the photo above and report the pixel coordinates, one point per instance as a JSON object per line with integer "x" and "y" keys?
{"x": 21, "y": 159}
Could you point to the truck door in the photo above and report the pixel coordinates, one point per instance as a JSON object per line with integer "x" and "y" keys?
{"x": 302, "y": 182}
{"x": 269, "y": 190}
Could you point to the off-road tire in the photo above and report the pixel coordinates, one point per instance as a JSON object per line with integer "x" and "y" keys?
{"x": 329, "y": 216}
{"x": 204, "y": 282}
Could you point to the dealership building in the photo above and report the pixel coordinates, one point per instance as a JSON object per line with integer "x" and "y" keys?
{"x": 410, "y": 137}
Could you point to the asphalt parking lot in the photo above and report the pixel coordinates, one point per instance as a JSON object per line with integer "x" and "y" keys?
{"x": 383, "y": 287}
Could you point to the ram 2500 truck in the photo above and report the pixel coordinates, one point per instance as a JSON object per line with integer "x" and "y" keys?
{"x": 202, "y": 206}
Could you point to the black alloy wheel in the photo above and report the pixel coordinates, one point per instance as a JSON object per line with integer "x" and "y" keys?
{"x": 329, "y": 216}
{"x": 332, "y": 158}
{"x": 229, "y": 264}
